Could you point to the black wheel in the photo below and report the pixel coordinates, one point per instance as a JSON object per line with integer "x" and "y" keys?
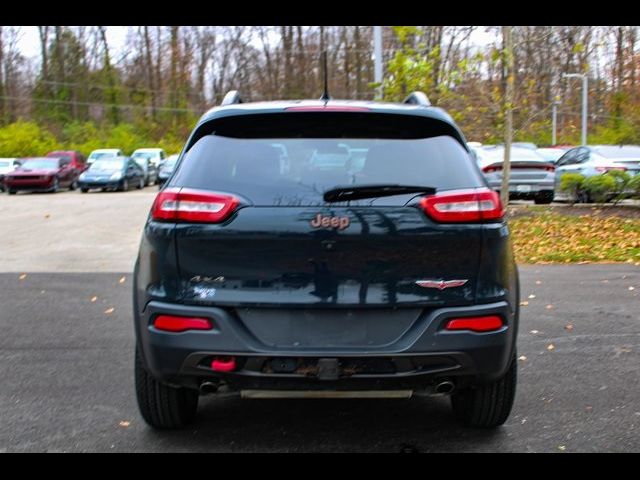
{"x": 84, "y": 190}
{"x": 73, "y": 185}
{"x": 543, "y": 198}
{"x": 583, "y": 197}
{"x": 162, "y": 406}
{"x": 488, "y": 405}
{"x": 125, "y": 185}
{"x": 140, "y": 184}
{"x": 11, "y": 192}
{"x": 56, "y": 185}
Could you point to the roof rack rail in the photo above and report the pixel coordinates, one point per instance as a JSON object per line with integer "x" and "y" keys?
{"x": 417, "y": 98}
{"x": 232, "y": 97}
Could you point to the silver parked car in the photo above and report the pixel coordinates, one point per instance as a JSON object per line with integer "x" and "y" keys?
{"x": 532, "y": 177}
{"x": 593, "y": 160}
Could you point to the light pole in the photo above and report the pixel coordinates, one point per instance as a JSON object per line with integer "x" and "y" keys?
{"x": 377, "y": 52}
{"x": 554, "y": 115}
{"x": 585, "y": 89}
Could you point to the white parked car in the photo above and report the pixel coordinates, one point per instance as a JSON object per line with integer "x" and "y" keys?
{"x": 532, "y": 177}
{"x": 593, "y": 160}
{"x": 103, "y": 153}
{"x": 7, "y": 165}
{"x": 155, "y": 155}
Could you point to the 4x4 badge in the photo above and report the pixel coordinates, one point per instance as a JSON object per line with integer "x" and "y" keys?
{"x": 440, "y": 284}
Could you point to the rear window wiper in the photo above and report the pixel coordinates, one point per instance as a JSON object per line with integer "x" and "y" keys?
{"x": 356, "y": 192}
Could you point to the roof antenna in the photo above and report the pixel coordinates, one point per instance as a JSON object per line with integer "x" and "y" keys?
{"x": 325, "y": 94}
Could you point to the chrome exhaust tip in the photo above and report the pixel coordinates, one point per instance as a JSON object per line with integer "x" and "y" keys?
{"x": 445, "y": 387}
{"x": 208, "y": 388}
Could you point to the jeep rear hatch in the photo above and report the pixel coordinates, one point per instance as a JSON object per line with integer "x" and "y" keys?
{"x": 253, "y": 228}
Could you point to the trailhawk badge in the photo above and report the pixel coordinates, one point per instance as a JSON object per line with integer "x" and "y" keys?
{"x": 440, "y": 284}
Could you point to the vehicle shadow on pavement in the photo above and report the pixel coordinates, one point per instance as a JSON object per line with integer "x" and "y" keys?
{"x": 353, "y": 425}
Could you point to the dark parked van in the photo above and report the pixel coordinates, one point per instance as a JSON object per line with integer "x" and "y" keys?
{"x": 387, "y": 275}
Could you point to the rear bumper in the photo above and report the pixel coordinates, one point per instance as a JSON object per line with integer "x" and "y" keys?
{"x": 526, "y": 190}
{"x": 30, "y": 185}
{"x": 423, "y": 354}
{"x": 97, "y": 184}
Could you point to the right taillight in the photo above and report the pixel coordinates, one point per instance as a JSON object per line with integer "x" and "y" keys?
{"x": 459, "y": 206}
{"x": 172, "y": 323}
{"x": 198, "y": 206}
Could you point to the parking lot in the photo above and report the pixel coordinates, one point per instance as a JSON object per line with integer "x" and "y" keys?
{"x": 66, "y": 355}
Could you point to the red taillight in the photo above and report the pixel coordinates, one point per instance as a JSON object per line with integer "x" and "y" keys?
{"x": 550, "y": 169}
{"x": 608, "y": 169}
{"x": 463, "y": 206}
{"x": 170, "y": 323}
{"x": 186, "y": 205}
{"x": 223, "y": 364}
{"x": 475, "y": 324}
{"x": 491, "y": 169}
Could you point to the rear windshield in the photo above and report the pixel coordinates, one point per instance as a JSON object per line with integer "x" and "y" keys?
{"x": 295, "y": 170}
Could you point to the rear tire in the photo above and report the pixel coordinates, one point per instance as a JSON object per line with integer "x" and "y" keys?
{"x": 543, "y": 198}
{"x": 11, "y": 192}
{"x": 140, "y": 184}
{"x": 488, "y": 405}
{"x": 161, "y": 406}
{"x": 84, "y": 190}
{"x": 583, "y": 197}
{"x": 125, "y": 186}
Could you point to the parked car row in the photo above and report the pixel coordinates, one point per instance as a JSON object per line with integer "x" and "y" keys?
{"x": 104, "y": 169}
{"x": 536, "y": 173}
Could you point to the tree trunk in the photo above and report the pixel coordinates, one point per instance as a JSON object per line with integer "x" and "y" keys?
{"x": 508, "y": 106}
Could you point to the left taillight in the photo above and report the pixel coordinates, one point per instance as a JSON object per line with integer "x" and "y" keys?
{"x": 188, "y": 205}
{"x": 475, "y": 324}
{"x": 171, "y": 323}
{"x": 459, "y": 206}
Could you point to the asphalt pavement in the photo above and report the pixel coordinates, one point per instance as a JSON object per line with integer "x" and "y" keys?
{"x": 66, "y": 376}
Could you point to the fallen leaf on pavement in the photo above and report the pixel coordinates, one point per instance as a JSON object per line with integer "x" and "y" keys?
{"x": 631, "y": 288}
{"x": 522, "y": 358}
{"x": 550, "y": 347}
{"x": 569, "y": 327}
{"x": 524, "y": 304}
{"x": 538, "y": 282}
{"x": 534, "y": 332}
{"x": 124, "y": 423}
{"x": 23, "y": 276}
{"x": 122, "y": 279}
{"x": 532, "y": 296}
{"x": 562, "y": 447}
{"x": 109, "y": 310}
{"x": 93, "y": 299}
{"x": 549, "y": 307}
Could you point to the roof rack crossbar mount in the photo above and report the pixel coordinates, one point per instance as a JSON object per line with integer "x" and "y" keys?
{"x": 231, "y": 98}
{"x": 417, "y": 98}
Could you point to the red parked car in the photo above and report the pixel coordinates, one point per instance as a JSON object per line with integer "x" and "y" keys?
{"x": 42, "y": 174}
{"x": 78, "y": 160}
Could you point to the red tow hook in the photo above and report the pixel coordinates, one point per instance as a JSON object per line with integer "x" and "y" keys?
{"x": 223, "y": 364}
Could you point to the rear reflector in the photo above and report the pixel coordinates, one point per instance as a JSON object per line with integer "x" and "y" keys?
{"x": 458, "y": 206}
{"x": 170, "y": 323}
{"x": 223, "y": 364}
{"x": 475, "y": 324}
{"x": 186, "y": 205}
{"x": 608, "y": 169}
